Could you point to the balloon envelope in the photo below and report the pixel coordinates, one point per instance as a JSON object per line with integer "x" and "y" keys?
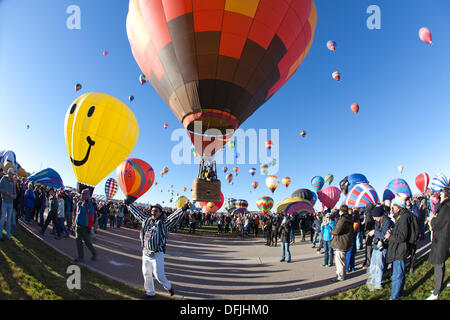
{"x": 286, "y": 181}
{"x": 438, "y": 182}
{"x": 111, "y": 187}
{"x": 230, "y": 205}
{"x": 100, "y": 132}
{"x": 135, "y": 178}
{"x": 295, "y": 206}
{"x": 422, "y": 181}
{"x": 252, "y": 171}
{"x": 241, "y": 206}
{"x": 350, "y": 181}
{"x": 329, "y": 178}
{"x": 355, "y": 108}
{"x": 264, "y": 204}
{"x": 396, "y": 186}
{"x": 329, "y": 196}
{"x": 181, "y": 201}
{"x": 331, "y": 45}
{"x": 47, "y": 177}
{"x": 304, "y": 194}
{"x": 425, "y": 35}
{"x": 361, "y": 195}
{"x": 317, "y": 182}
{"x": 216, "y": 62}
{"x": 211, "y": 207}
{"x": 272, "y": 183}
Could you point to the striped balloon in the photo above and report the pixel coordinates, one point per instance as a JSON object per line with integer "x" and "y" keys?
{"x": 422, "y": 182}
{"x": 317, "y": 182}
{"x": 295, "y": 205}
{"x": 135, "y": 178}
{"x": 272, "y": 183}
{"x": 396, "y": 186}
{"x": 439, "y": 181}
{"x": 230, "y": 205}
{"x": 329, "y": 178}
{"x": 111, "y": 187}
{"x": 241, "y": 206}
{"x": 331, "y": 45}
{"x": 361, "y": 195}
{"x": 264, "y": 204}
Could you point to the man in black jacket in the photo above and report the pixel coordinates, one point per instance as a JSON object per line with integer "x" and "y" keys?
{"x": 398, "y": 248}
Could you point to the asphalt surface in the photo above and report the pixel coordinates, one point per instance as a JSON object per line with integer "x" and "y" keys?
{"x": 201, "y": 267}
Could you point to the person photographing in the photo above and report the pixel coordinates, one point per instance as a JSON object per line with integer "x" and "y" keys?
{"x": 154, "y": 235}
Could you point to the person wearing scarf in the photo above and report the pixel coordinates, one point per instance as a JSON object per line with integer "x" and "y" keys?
{"x": 84, "y": 220}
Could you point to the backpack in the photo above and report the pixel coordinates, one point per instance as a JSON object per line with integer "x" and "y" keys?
{"x": 414, "y": 231}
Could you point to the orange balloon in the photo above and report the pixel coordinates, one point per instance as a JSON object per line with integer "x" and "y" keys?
{"x": 355, "y": 108}
{"x": 135, "y": 177}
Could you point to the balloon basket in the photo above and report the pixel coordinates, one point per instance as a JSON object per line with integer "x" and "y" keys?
{"x": 206, "y": 191}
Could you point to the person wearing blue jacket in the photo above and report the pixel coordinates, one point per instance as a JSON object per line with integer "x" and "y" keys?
{"x": 327, "y": 226}
{"x": 30, "y": 197}
{"x": 378, "y": 259}
{"x": 84, "y": 220}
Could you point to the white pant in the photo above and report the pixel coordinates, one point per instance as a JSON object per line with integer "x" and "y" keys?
{"x": 154, "y": 267}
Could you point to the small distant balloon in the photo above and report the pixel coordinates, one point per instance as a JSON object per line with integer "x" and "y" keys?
{"x": 331, "y": 45}
{"x": 78, "y": 87}
{"x": 142, "y": 79}
{"x": 28, "y": 126}
{"x": 131, "y": 98}
{"x": 303, "y": 133}
{"x": 166, "y": 125}
{"x": 225, "y": 169}
{"x": 252, "y": 171}
{"x": 425, "y": 35}
{"x": 105, "y": 53}
{"x": 400, "y": 169}
{"x": 269, "y": 144}
{"x": 255, "y": 184}
{"x": 336, "y": 75}
{"x": 355, "y": 108}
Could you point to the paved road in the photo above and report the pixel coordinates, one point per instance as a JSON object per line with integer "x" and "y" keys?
{"x": 217, "y": 268}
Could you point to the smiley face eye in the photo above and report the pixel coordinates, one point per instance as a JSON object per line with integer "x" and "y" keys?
{"x": 91, "y": 111}
{"x": 72, "y": 110}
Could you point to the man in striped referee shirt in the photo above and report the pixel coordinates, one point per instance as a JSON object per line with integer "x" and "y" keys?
{"x": 154, "y": 235}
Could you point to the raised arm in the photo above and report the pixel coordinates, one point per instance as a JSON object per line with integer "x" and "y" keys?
{"x": 173, "y": 219}
{"x": 138, "y": 213}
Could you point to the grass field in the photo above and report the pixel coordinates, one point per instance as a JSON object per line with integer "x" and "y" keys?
{"x": 30, "y": 270}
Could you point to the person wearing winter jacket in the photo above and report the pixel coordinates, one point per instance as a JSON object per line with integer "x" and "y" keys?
{"x": 52, "y": 215}
{"x": 440, "y": 224}
{"x": 326, "y": 227}
{"x": 378, "y": 260}
{"x": 398, "y": 248}
{"x": 30, "y": 198}
{"x": 84, "y": 221}
{"x": 316, "y": 226}
{"x": 342, "y": 241}
{"x": 285, "y": 238}
{"x": 62, "y": 213}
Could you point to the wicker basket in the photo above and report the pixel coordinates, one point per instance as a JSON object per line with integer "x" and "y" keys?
{"x": 206, "y": 191}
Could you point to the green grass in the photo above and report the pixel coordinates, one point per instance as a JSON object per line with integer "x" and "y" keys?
{"x": 417, "y": 286}
{"x": 31, "y": 270}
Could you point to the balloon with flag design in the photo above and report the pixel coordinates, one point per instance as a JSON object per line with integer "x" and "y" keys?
{"x": 135, "y": 178}
{"x": 361, "y": 195}
{"x": 264, "y": 204}
{"x": 111, "y": 187}
{"x": 422, "y": 182}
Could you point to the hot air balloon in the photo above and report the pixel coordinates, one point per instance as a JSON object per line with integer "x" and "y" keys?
{"x": 47, "y": 177}
{"x": 304, "y": 194}
{"x": 131, "y": 98}
{"x": 355, "y": 108}
{"x": 143, "y": 79}
{"x": 111, "y": 187}
{"x": 350, "y": 181}
{"x": 264, "y": 168}
{"x": 331, "y": 45}
{"x": 269, "y": 144}
{"x": 425, "y": 35}
{"x": 286, "y": 181}
{"x": 361, "y": 195}
{"x": 336, "y": 75}
{"x": 184, "y": 189}
{"x": 252, "y": 171}
{"x": 229, "y": 177}
{"x": 230, "y": 205}
{"x": 241, "y": 206}
{"x": 211, "y": 207}
{"x": 135, "y": 178}
{"x": 317, "y": 182}
{"x": 164, "y": 171}
{"x": 329, "y": 196}
{"x": 105, "y": 53}
{"x": 78, "y": 87}
{"x": 422, "y": 181}
{"x": 236, "y": 169}
{"x": 100, "y": 132}
{"x": 396, "y": 186}
{"x": 166, "y": 126}
{"x": 223, "y": 81}
{"x": 28, "y": 126}
{"x": 255, "y": 184}
{"x": 295, "y": 205}
{"x": 329, "y": 178}
{"x": 438, "y": 182}
{"x": 181, "y": 201}
{"x": 400, "y": 169}
{"x": 225, "y": 169}
{"x": 264, "y": 204}
{"x": 272, "y": 183}
{"x": 314, "y": 199}
{"x": 303, "y": 133}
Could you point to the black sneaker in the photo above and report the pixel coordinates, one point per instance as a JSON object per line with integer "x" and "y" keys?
{"x": 147, "y": 297}
{"x": 171, "y": 291}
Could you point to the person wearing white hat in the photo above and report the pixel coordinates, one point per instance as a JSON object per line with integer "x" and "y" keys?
{"x": 398, "y": 248}
{"x": 8, "y": 194}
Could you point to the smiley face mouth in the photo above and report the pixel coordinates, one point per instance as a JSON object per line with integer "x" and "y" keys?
{"x": 86, "y": 157}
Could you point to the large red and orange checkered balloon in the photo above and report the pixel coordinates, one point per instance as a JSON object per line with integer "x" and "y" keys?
{"x": 217, "y": 61}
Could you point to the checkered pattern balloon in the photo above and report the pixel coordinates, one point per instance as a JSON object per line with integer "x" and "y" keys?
{"x": 111, "y": 187}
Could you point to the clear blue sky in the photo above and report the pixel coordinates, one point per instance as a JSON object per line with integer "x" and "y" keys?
{"x": 400, "y": 83}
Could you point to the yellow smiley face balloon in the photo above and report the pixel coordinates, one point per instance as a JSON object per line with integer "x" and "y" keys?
{"x": 100, "y": 131}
